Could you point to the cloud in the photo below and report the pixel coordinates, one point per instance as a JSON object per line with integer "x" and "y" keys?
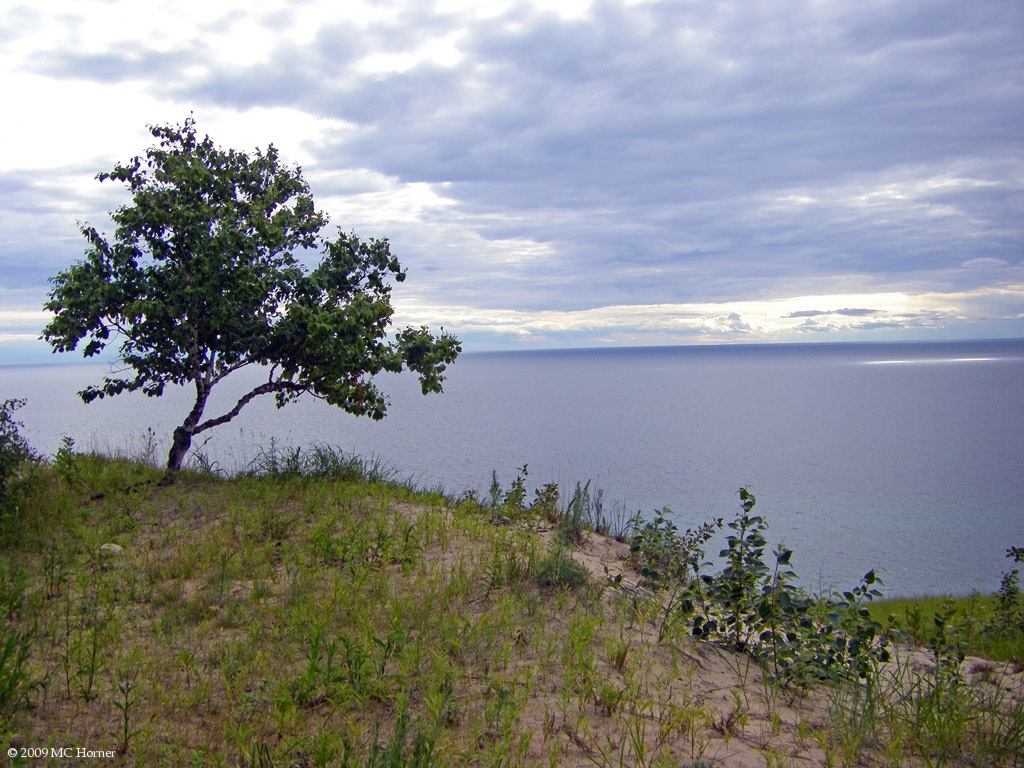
{"x": 531, "y": 157}
{"x": 111, "y": 67}
{"x": 984, "y": 263}
{"x": 896, "y": 315}
{"x": 845, "y": 312}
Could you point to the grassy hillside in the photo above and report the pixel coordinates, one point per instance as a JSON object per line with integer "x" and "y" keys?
{"x": 327, "y": 617}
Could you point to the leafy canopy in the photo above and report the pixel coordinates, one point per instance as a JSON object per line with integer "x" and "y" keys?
{"x": 202, "y": 278}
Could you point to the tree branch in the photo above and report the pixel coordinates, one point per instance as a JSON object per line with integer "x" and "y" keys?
{"x": 229, "y": 370}
{"x": 262, "y": 389}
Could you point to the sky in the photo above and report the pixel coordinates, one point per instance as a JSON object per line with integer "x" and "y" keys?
{"x": 564, "y": 174}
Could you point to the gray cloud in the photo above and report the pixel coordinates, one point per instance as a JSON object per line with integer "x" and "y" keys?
{"x": 844, "y": 312}
{"x": 645, "y": 139}
{"x": 131, "y": 63}
{"x": 649, "y": 153}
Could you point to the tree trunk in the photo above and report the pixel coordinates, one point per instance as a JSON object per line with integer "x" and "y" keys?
{"x": 183, "y": 434}
{"x": 179, "y": 449}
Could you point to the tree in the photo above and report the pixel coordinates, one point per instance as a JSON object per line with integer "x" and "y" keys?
{"x": 202, "y": 279}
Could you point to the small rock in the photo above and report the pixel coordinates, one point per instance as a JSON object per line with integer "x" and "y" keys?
{"x": 112, "y": 549}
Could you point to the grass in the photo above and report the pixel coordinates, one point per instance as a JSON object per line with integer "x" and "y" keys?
{"x": 975, "y": 616}
{"x": 320, "y": 611}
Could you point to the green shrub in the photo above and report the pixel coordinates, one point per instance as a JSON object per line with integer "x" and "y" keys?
{"x": 14, "y": 451}
{"x": 665, "y": 556}
{"x": 1009, "y": 611}
{"x": 514, "y": 502}
{"x": 758, "y": 609}
{"x": 558, "y": 569}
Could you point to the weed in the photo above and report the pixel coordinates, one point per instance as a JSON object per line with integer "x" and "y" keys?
{"x": 610, "y": 697}
{"x": 321, "y": 461}
{"x": 617, "y": 652}
{"x": 732, "y": 722}
{"x": 14, "y": 582}
{"x": 16, "y": 683}
{"x": 56, "y": 559}
{"x": 322, "y": 679}
{"x": 856, "y": 710}
{"x": 545, "y": 502}
{"x": 201, "y": 463}
{"x": 125, "y": 705}
{"x": 66, "y": 462}
{"x": 1006, "y": 626}
{"x": 83, "y": 640}
{"x": 14, "y": 448}
{"x": 259, "y": 756}
{"x": 411, "y": 746}
{"x": 494, "y": 493}
{"x": 558, "y": 569}
{"x": 189, "y": 665}
{"x": 574, "y": 522}
{"x": 514, "y": 502}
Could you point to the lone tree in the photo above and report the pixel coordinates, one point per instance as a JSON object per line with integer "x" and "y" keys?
{"x": 202, "y": 279}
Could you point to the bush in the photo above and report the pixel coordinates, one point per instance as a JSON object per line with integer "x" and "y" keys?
{"x": 757, "y": 608}
{"x": 664, "y": 556}
{"x": 14, "y": 452}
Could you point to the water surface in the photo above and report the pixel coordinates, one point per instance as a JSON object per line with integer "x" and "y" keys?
{"x": 905, "y": 457}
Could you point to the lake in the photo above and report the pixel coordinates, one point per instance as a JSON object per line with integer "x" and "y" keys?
{"x": 906, "y": 457}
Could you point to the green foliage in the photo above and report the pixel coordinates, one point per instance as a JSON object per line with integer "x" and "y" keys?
{"x": 16, "y": 684}
{"x": 995, "y": 622}
{"x": 665, "y": 556}
{"x": 84, "y": 646}
{"x": 758, "y": 609}
{"x": 65, "y": 461}
{"x": 16, "y": 681}
{"x": 1009, "y": 611}
{"x": 126, "y": 705}
{"x": 14, "y": 452}
{"x": 545, "y": 502}
{"x": 494, "y": 492}
{"x": 321, "y": 461}
{"x": 558, "y": 569}
{"x": 574, "y": 522}
{"x": 299, "y": 620}
{"x": 615, "y": 524}
{"x": 514, "y": 502}
{"x": 411, "y": 746}
{"x": 202, "y": 278}
{"x": 584, "y": 511}
{"x": 1002, "y": 634}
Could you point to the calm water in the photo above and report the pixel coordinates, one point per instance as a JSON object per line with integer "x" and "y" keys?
{"x": 905, "y": 457}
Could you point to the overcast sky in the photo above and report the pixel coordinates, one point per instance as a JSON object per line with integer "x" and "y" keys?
{"x": 563, "y": 174}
